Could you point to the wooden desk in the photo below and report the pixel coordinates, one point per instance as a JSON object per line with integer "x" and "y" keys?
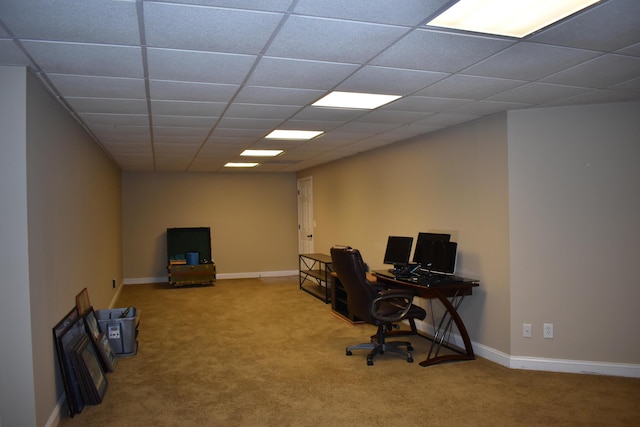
{"x": 450, "y": 296}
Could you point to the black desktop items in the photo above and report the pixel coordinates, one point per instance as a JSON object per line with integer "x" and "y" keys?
{"x": 397, "y": 253}
{"x": 434, "y": 258}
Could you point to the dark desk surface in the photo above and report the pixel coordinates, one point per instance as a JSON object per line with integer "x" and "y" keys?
{"x": 454, "y": 285}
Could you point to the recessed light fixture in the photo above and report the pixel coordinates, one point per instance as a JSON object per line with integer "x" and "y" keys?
{"x": 356, "y": 100}
{"x": 240, "y": 165}
{"x": 261, "y": 153}
{"x": 294, "y": 134}
{"x": 507, "y": 17}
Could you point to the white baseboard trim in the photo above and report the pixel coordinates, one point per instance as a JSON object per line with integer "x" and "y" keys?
{"x": 55, "y": 417}
{"x": 248, "y": 275}
{"x": 543, "y": 364}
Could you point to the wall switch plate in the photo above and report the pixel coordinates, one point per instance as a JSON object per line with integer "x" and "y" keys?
{"x": 526, "y": 330}
{"x": 547, "y": 330}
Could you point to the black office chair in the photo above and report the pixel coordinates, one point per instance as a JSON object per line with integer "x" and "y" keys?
{"x": 372, "y": 304}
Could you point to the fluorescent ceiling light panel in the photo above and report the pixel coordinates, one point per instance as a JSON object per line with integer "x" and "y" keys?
{"x": 294, "y": 134}
{"x": 240, "y": 165}
{"x": 261, "y": 153}
{"x": 513, "y": 18}
{"x": 366, "y": 101}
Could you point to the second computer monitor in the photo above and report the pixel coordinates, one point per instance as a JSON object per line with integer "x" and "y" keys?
{"x": 426, "y": 239}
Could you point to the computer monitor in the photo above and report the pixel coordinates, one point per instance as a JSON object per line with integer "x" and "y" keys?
{"x": 424, "y": 237}
{"x": 398, "y": 251}
{"x": 438, "y": 256}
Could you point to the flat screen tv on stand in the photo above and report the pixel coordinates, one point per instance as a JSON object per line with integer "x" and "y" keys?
{"x": 181, "y": 241}
{"x": 397, "y": 253}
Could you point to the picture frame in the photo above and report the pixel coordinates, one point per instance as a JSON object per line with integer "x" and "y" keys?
{"x": 82, "y": 302}
{"x": 99, "y": 341}
{"x": 64, "y": 332}
{"x": 92, "y": 378}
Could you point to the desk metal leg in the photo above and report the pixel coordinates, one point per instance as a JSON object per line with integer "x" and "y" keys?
{"x": 450, "y": 315}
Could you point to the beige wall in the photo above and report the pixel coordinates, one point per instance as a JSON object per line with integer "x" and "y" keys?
{"x": 453, "y": 181}
{"x": 252, "y": 216}
{"x": 544, "y": 206}
{"x": 575, "y": 228}
{"x": 72, "y": 196}
{"x": 17, "y": 404}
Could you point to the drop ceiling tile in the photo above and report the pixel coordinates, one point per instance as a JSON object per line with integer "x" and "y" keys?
{"x": 324, "y": 125}
{"x": 261, "y": 111}
{"x": 111, "y": 131}
{"x": 220, "y": 151}
{"x": 230, "y": 141}
{"x": 86, "y": 59}
{"x": 118, "y": 149}
{"x": 191, "y": 140}
{"x": 238, "y": 133}
{"x": 324, "y": 114}
{"x": 632, "y": 85}
{"x": 204, "y": 67}
{"x": 86, "y": 21}
{"x": 367, "y": 128}
{"x": 183, "y": 121}
{"x": 266, "y": 5}
{"x": 187, "y": 108}
{"x": 111, "y": 105}
{"x": 196, "y": 132}
{"x": 10, "y": 54}
{"x": 277, "y": 95}
{"x": 390, "y": 116}
{"x": 115, "y": 120}
{"x": 602, "y": 72}
{"x": 134, "y": 142}
{"x": 179, "y": 150}
{"x": 99, "y": 87}
{"x": 171, "y": 163}
{"x": 530, "y": 61}
{"x": 608, "y": 26}
{"x": 432, "y": 50}
{"x": 393, "y": 81}
{"x": 424, "y": 104}
{"x": 404, "y": 12}
{"x": 446, "y": 119}
{"x": 208, "y": 29}
{"x": 191, "y": 91}
{"x": 248, "y": 123}
{"x": 469, "y": 87}
{"x": 331, "y": 40}
{"x": 538, "y": 93}
{"x": 292, "y": 73}
{"x": 598, "y": 96}
{"x": 633, "y": 50}
{"x": 485, "y": 108}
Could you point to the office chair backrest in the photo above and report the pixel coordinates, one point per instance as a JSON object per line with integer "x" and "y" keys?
{"x": 350, "y": 268}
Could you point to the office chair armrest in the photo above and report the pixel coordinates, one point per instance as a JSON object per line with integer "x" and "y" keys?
{"x": 396, "y": 302}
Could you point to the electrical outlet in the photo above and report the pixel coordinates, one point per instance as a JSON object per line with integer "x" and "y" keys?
{"x": 526, "y": 330}
{"x": 547, "y": 329}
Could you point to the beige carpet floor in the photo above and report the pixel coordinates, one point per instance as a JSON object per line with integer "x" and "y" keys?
{"x": 260, "y": 352}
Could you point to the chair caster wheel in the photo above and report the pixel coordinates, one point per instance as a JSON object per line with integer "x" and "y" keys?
{"x": 409, "y": 348}
{"x": 349, "y": 353}
{"x": 410, "y": 359}
{"x": 369, "y": 362}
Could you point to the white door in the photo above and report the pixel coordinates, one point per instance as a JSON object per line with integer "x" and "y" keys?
{"x": 305, "y": 215}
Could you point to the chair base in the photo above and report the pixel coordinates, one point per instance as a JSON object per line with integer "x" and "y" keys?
{"x": 381, "y": 348}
